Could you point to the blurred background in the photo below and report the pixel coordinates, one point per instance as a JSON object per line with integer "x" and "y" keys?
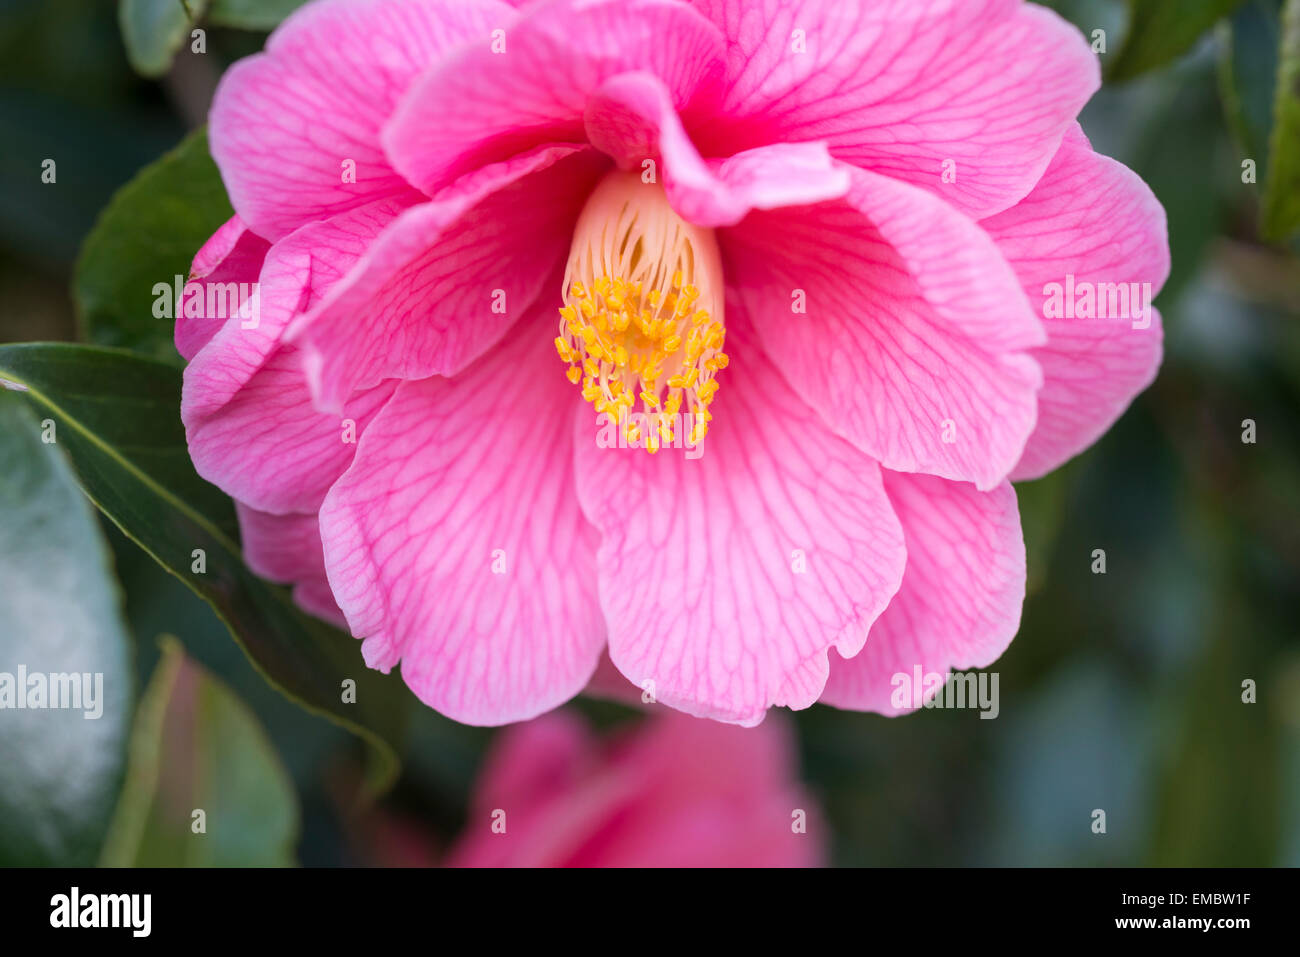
{"x": 1123, "y": 691}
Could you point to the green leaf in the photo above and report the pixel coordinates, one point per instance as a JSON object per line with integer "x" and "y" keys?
{"x": 1162, "y": 30}
{"x": 1247, "y": 74}
{"x": 118, "y": 418}
{"x": 60, "y": 614}
{"x": 1281, "y": 212}
{"x": 1179, "y": 152}
{"x": 1042, "y": 510}
{"x": 1223, "y": 759}
{"x": 153, "y": 30}
{"x": 218, "y": 761}
{"x": 251, "y": 14}
{"x": 148, "y": 235}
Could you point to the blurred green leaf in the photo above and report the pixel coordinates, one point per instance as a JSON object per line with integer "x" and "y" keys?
{"x": 153, "y": 30}
{"x": 118, "y": 419}
{"x": 1220, "y": 785}
{"x": 60, "y": 614}
{"x": 195, "y": 746}
{"x": 1281, "y": 213}
{"x": 1181, "y": 149}
{"x": 251, "y": 14}
{"x": 148, "y": 235}
{"x": 1161, "y": 30}
{"x": 1247, "y": 75}
{"x": 1042, "y": 509}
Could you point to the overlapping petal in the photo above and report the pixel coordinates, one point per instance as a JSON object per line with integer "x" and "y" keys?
{"x": 1091, "y": 226}
{"x": 959, "y": 604}
{"x": 906, "y": 87}
{"x": 287, "y": 549}
{"x": 726, "y": 578}
{"x": 249, "y": 419}
{"x": 232, "y": 254}
{"x": 295, "y": 130}
{"x": 485, "y": 103}
{"x": 631, "y": 117}
{"x": 900, "y": 322}
{"x": 455, "y": 544}
{"x": 448, "y": 277}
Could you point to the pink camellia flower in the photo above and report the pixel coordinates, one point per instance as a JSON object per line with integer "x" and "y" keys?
{"x": 675, "y": 792}
{"x": 710, "y": 334}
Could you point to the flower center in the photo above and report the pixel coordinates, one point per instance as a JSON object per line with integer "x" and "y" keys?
{"x": 642, "y": 325}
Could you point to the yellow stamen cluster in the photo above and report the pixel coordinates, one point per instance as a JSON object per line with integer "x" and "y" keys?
{"x": 641, "y": 328}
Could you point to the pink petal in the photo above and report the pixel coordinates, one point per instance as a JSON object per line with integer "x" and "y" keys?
{"x": 295, "y": 274}
{"x": 448, "y": 277}
{"x": 232, "y": 254}
{"x": 249, "y": 420}
{"x": 715, "y": 795}
{"x": 479, "y": 107}
{"x": 673, "y": 792}
{"x": 453, "y": 476}
{"x": 284, "y": 122}
{"x": 533, "y": 762}
{"x": 270, "y": 447}
{"x": 1092, "y": 218}
{"x": 702, "y": 562}
{"x": 902, "y": 86}
{"x": 287, "y": 549}
{"x": 913, "y": 345}
{"x": 631, "y": 117}
{"x": 959, "y": 606}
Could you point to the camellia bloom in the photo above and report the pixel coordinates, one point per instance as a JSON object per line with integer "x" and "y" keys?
{"x": 674, "y": 792}
{"x": 710, "y": 334}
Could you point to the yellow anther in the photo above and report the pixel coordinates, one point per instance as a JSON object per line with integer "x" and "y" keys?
{"x": 684, "y": 381}
{"x": 642, "y": 305}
